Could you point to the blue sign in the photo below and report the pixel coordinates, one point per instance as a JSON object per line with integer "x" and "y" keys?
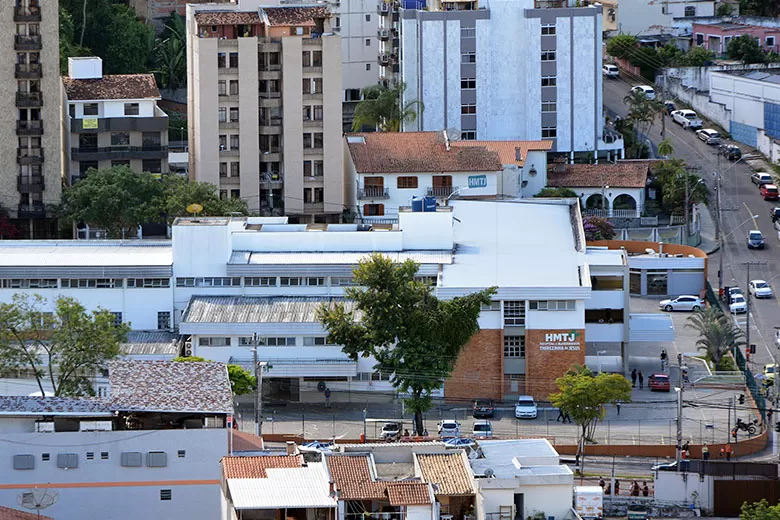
{"x": 478, "y": 181}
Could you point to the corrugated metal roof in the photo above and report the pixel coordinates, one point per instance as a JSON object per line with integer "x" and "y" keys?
{"x": 24, "y": 405}
{"x": 76, "y": 253}
{"x": 255, "y": 309}
{"x": 283, "y": 488}
{"x": 141, "y": 343}
{"x": 337, "y": 258}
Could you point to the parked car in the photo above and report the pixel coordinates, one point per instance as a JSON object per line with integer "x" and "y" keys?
{"x": 760, "y": 289}
{"x": 484, "y": 408}
{"x": 730, "y": 152}
{"x": 610, "y": 71}
{"x": 449, "y": 428}
{"x": 686, "y": 118}
{"x": 659, "y": 383}
{"x": 482, "y": 429}
{"x": 391, "y": 431}
{"x": 316, "y": 446}
{"x": 525, "y": 407}
{"x": 708, "y": 135}
{"x": 769, "y": 192}
{"x": 682, "y": 303}
{"x": 459, "y": 442}
{"x": 647, "y": 90}
{"x": 755, "y": 239}
{"x": 738, "y": 305}
{"x": 669, "y": 106}
{"x": 775, "y": 214}
{"x": 761, "y": 178}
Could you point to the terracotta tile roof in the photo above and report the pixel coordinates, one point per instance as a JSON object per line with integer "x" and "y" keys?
{"x": 416, "y": 152}
{"x": 295, "y": 15}
{"x": 118, "y": 86}
{"x": 448, "y": 473}
{"x": 254, "y": 467}
{"x": 409, "y": 493}
{"x": 170, "y": 386}
{"x": 31, "y": 405}
{"x": 507, "y": 150}
{"x": 243, "y": 441}
{"x": 6, "y": 513}
{"x": 624, "y": 174}
{"x": 226, "y": 18}
{"x": 352, "y": 477}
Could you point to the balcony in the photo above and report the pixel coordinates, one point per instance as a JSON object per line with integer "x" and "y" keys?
{"x": 440, "y": 191}
{"x": 384, "y": 59}
{"x": 29, "y": 128}
{"x": 29, "y": 99}
{"x": 27, "y": 14}
{"x": 121, "y": 124}
{"x": 27, "y": 43}
{"x": 383, "y": 8}
{"x": 33, "y": 211}
{"x": 373, "y": 192}
{"x": 30, "y": 184}
{"x": 383, "y": 34}
{"x": 272, "y": 180}
{"x": 270, "y": 94}
{"x": 28, "y": 71}
{"x": 118, "y": 153}
{"x": 29, "y": 155}
{"x": 313, "y": 40}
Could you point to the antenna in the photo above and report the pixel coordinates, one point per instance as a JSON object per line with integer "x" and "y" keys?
{"x": 38, "y": 499}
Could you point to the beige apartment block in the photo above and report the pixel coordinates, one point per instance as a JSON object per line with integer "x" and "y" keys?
{"x": 30, "y": 133}
{"x": 264, "y": 107}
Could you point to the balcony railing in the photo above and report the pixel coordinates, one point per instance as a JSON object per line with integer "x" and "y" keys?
{"x": 272, "y": 178}
{"x": 29, "y": 128}
{"x": 27, "y": 43}
{"x": 373, "y": 192}
{"x": 383, "y": 34}
{"x": 35, "y": 210}
{"x": 29, "y": 155}
{"x": 30, "y": 184}
{"x": 29, "y": 99}
{"x": 28, "y": 70}
{"x": 441, "y": 191}
{"x": 119, "y": 152}
{"x": 30, "y": 13}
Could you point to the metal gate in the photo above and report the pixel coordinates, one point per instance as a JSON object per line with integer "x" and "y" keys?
{"x": 731, "y": 494}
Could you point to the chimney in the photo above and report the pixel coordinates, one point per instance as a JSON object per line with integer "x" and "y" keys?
{"x": 518, "y": 154}
{"x": 291, "y": 448}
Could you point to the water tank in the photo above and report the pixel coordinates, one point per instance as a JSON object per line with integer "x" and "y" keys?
{"x": 417, "y": 203}
{"x": 429, "y": 204}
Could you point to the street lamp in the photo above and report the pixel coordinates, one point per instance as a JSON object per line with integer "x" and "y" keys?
{"x": 722, "y": 250}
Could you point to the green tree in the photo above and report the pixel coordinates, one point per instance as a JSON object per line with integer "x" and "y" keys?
{"x": 557, "y": 193}
{"x": 641, "y": 112}
{"x": 696, "y": 57}
{"x": 671, "y": 175}
{"x": 717, "y": 333}
{"x": 241, "y": 380}
{"x": 116, "y": 199}
{"x": 724, "y": 9}
{"x": 65, "y": 348}
{"x": 759, "y": 8}
{"x": 413, "y": 335}
{"x": 669, "y": 54}
{"x": 583, "y": 395}
{"x": 648, "y": 61}
{"x": 759, "y": 511}
{"x": 67, "y": 46}
{"x": 598, "y": 228}
{"x": 746, "y": 49}
{"x": 665, "y": 148}
{"x": 170, "y": 53}
{"x": 622, "y": 46}
{"x": 384, "y": 108}
{"x": 179, "y": 192}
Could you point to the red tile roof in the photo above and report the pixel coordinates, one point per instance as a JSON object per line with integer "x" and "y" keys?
{"x": 448, "y": 473}
{"x": 243, "y": 441}
{"x": 409, "y": 493}
{"x": 416, "y": 152}
{"x": 226, "y": 18}
{"x": 6, "y": 513}
{"x": 507, "y": 150}
{"x": 623, "y": 174}
{"x": 117, "y": 86}
{"x": 295, "y": 15}
{"x": 352, "y": 477}
{"x": 254, "y": 467}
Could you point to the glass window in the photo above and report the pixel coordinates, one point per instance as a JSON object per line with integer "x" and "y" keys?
{"x": 90, "y": 109}
{"x": 548, "y": 55}
{"x": 163, "y": 320}
{"x": 606, "y": 283}
{"x": 548, "y": 106}
{"x": 260, "y": 281}
{"x": 657, "y": 283}
{"x": 514, "y": 346}
{"x": 468, "y": 109}
{"x": 548, "y": 29}
{"x": 233, "y": 87}
{"x": 131, "y": 109}
{"x": 468, "y": 32}
{"x": 468, "y": 83}
{"x": 514, "y": 313}
{"x": 407, "y": 182}
{"x": 120, "y": 139}
{"x": 221, "y": 87}
{"x": 549, "y": 132}
{"x": 549, "y": 81}
{"x": 468, "y": 57}
{"x": 233, "y": 60}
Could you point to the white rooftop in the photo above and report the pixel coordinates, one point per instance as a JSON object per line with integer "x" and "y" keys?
{"x": 603, "y": 257}
{"x": 74, "y": 253}
{"x": 517, "y": 457}
{"x": 302, "y": 488}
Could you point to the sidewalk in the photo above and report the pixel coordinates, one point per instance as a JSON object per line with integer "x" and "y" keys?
{"x": 708, "y": 242}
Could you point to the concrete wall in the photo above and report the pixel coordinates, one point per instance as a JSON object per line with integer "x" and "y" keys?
{"x": 554, "y": 500}
{"x": 670, "y": 486}
{"x": 333, "y": 157}
{"x": 248, "y": 120}
{"x": 479, "y": 371}
{"x": 355, "y": 30}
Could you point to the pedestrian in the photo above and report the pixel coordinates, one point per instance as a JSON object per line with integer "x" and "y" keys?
{"x": 705, "y": 452}
{"x": 617, "y": 487}
{"x": 608, "y": 489}
{"x": 722, "y": 452}
{"x": 634, "y": 489}
{"x": 728, "y": 452}
{"x": 641, "y": 380}
{"x": 617, "y": 405}
{"x": 327, "y": 398}
{"x": 769, "y": 415}
{"x": 602, "y": 483}
{"x": 561, "y": 415}
{"x": 687, "y": 446}
{"x": 567, "y": 417}
{"x": 633, "y": 378}
{"x": 664, "y": 357}
{"x": 645, "y": 489}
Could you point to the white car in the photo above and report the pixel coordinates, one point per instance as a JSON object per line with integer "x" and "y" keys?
{"x": 525, "y": 407}
{"x": 686, "y": 118}
{"x": 708, "y": 135}
{"x": 760, "y": 289}
{"x": 682, "y": 303}
{"x": 482, "y": 429}
{"x": 738, "y": 304}
{"x": 610, "y": 71}
{"x": 647, "y": 90}
{"x": 449, "y": 428}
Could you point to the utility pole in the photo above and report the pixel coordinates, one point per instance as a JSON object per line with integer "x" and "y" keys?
{"x": 718, "y": 228}
{"x": 687, "y": 228}
{"x": 679, "y": 409}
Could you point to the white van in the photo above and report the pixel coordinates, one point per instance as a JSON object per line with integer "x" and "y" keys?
{"x": 610, "y": 71}
{"x": 647, "y": 90}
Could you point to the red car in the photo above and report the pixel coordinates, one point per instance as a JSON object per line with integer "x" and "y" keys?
{"x": 660, "y": 383}
{"x": 769, "y": 192}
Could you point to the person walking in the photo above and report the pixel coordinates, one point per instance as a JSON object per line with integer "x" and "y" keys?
{"x": 327, "y": 398}
{"x": 664, "y": 358}
{"x": 561, "y": 415}
{"x": 633, "y": 378}
{"x": 705, "y": 452}
{"x": 641, "y": 380}
{"x": 617, "y": 487}
{"x": 602, "y": 484}
{"x": 645, "y": 489}
{"x": 728, "y": 452}
{"x": 617, "y": 405}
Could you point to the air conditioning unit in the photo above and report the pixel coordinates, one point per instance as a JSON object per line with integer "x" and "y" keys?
{"x": 44, "y": 427}
{"x": 188, "y": 348}
{"x": 95, "y": 426}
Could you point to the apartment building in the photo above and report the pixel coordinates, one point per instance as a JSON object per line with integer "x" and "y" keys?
{"x": 264, "y": 102}
{"x": 505, "y": 70}
{"x": 112, "y": 120}
{"x": 30, "y": 142}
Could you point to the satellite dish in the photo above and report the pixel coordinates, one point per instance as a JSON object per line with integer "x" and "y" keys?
{"x": 194, "y": 208}
{"x": 453, "y": 134}
{"x": 489, "y": 473}
{"x": 37, "y": 499}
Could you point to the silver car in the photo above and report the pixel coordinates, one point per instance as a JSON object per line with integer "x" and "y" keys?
{"x": 708, "y": 135}
{"x": 682, "y": 303}
{"x": 760, "y": 289}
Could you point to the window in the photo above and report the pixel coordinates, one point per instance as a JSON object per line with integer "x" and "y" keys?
{"x": 117, "y": 318}
{"x": 131, "y": 459}
{"x": 770, "y": 41}
{"x": 468, "y": 57}
{"x": 514, "y": 346}
{"x": 90, "y": 109}
{"x": 213, "y": 342}
{"x": 222, "y": 143}
{"x": 373, "y": 210}
{"x": 234, "y": 142}
{"x": 286, "y": 281}
{"x": 548, "y": 81}
{"x": 233, "y": 87}
{"x": 222, "y": 111}
{"x": 657, "y": 283}
{"x": 514, "y": 313}
{"x": 468, "y": 83}
{"x": 24, "y": 461}
{"x": 468, "y": 135}
{"x": 260, "y": 281}
{"x": 306, "y": 59}
{"x": 317, "y": 140}
{"x": 690, "y": 10}
{"x": 548, "y": 29}
{"x": 131, "y": 109}
{"x": 221, "y": 60}
{"x": 181, "y": 454}
{"x": 368, "y": 66}
{"x": 217, "y": 281}
{"x": 316, "y": 86}
{"x": 341, "y": 281}
{"x": 548, "y": 106}
{"x": 235, "y": 169}
{"x": 152, "y": 165}
{"x": 468, "y": 32}
{"x": 278, "y": 342}
{"x": 552, "y": 305}
{"x": 368, "y": 17}
{"x": 67, "y": 460}
{"x": 163, "y": 320}
{"x": 493, "y": 306}
{"x": 233, "y": 114}
{"x": 699, "y": 39}
{"x": 185, "y": 282}
{"x": 120, "y": 139}
{"x": 603, "y": 315}
{"x": 223, "y": 169}
{"x": 233, "y": 60}
{"x": 45, "y": 457}
{"x": 91, "y": 283}
{"x": 165, "y": 494}
{"x": 90, "y": 455}
{"x": 222, "y": 87}
{"x": 103, "y": 455}
{"x": 307, "y": 85}
{"x": 318, "y": 112}
{"x": 405, "y": 183}
{"x": 606, "y": 283}
{"x": 32, "y": 283}
{"x": 314, "y": 341}
{"x": 368, "y": 42}
{"x": 548, "y": 55}
{"x": 306, "y": 143}
{"x": 549, "y": 132}
{"x": 468, "y": 109}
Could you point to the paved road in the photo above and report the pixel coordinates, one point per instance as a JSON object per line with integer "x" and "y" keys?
{"x": 739, "y": 200}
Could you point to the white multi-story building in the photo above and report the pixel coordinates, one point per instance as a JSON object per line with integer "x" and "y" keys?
{"x": 149, "y": 448}
{"x": 640, "y": 16}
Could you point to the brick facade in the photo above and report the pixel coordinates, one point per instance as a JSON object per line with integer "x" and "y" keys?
{"x": 479, "y": 371}
{"x": 549, "y": 357}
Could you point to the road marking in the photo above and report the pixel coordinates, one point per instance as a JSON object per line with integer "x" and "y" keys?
{"x": 755, "y": 223}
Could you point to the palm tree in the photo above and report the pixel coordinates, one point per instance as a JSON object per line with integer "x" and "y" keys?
{"x": 384, "y": 108}
{"x": 170, "y": 53}
{"x": 717, "y": 334}
{"x": 665, "y": 148}
{"x": 641, "y": 111}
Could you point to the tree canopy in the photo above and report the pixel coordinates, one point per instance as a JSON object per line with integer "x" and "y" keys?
{"x": 642, "y": 112}
{"x": 383, "y": 108}
{"x": 555, "y": 193}
{"x": 64, "y": 348}
{"x": 598, "y": 228}
{"x": 717, "y": 333}
{"x": 179, "y": 192}
{"x": 170, "y": 53}
{"x": 414, "y": 336}
{"x": 671, "y": 176}
{"x": 759, "y": 511}
{"x": 241, "y": 380}
{"x": 746, "y": 49}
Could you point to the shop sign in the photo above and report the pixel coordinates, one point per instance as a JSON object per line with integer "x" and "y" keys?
{"x": 89, "y": 123}
{"x": 557, "y": 341}
{"x": 478, "y": 181}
